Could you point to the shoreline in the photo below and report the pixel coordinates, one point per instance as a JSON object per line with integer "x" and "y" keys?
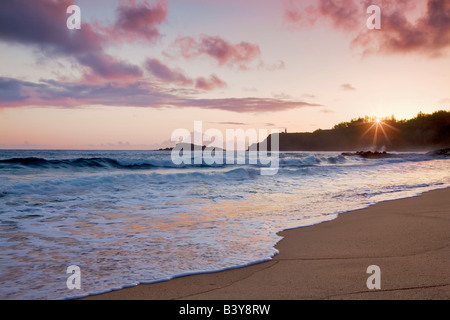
{"x": 407, "y": 238}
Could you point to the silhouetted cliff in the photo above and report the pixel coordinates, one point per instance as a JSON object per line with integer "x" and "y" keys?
{"x": 424, "y": 132}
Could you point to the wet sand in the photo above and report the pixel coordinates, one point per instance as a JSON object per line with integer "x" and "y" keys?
{"x": 408, "y": 239}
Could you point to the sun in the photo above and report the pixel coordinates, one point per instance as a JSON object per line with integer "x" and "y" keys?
{"x": 379, "y": 125}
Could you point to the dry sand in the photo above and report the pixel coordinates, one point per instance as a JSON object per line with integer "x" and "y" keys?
{"x": 408, "y": 239}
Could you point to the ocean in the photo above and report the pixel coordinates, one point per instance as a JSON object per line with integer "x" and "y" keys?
{"x": 130, "y": 217}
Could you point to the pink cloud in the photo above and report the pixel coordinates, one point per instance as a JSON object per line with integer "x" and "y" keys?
{"x": 219, "y": 49}
{"x": 139, "y": 20}
{"x": 19, "y": 93}
{"x": 41, "y": 24}
{"x": 209, "y": 84}
{"x": 165, "y": 74}
{"x": 428, "y": 34}
{"x": 187, "y": 46}
{"x": 176, "y": 76}
{"x": 105, "y": 67}
{"x": 344, "y": 14}
{"x": 249, "y": 104}
{"x": 279, "y": 65}
{"x": 347, "y": 87}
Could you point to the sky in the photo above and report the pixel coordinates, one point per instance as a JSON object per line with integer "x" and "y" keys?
{"x": 136, "y": 71}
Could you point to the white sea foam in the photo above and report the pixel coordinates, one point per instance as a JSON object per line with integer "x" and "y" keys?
{"x": 129, "y": 217}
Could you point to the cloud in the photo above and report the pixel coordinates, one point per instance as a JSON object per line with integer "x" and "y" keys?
{"x": 281, "y": 95}
{"x": 139, "y": 20}
{"x": 41, "y": 24}
{"x": 347, "y": 87}
{"x": 344, "y": 14}
{"x": 165, "y": 74}
{"x": 295, "y": 17}
{"x": 219, "y": 49}
{"x": 175, "y": 76}
{"x": 63, "y": 94}
{"x": 428, "y": 35}
{"x": 279, "y": 65}
{"x": 401, "y": 32}
{"x": 103, "y": 66}
{"x": 139, "y": 94}
{"x": 249, "y": 104}
{"x": 108, "y": 80}
{"x": 232, "y": 123}
{"x": 209, "y": 84}
{"x": 14, "y": 91}
{"x": 444, "y": 101}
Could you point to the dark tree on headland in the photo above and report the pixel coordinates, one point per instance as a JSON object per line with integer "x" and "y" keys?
{"x": 423, "y": 133}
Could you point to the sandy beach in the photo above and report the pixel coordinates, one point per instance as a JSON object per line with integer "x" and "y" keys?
{"x": 407, "y": 239}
